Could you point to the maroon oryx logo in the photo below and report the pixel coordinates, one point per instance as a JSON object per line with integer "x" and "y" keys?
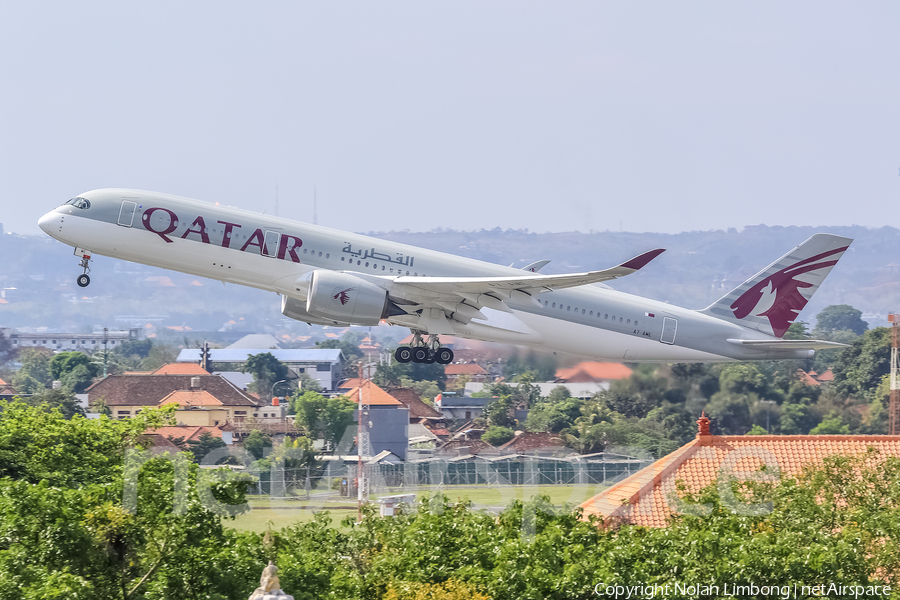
{"x": 778, "y": 296}
{"x": 343, "y": 296}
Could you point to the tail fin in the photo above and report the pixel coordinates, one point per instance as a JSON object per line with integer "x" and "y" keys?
{"x": 772, "y": 299}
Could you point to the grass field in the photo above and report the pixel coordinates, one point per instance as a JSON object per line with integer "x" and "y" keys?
{"x": 281, "y": 513}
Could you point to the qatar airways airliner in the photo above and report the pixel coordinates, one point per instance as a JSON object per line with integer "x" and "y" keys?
{"x": 331, "y": 277}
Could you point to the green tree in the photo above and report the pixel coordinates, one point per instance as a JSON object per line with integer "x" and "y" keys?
{"x": 831, "y": 425}
{"x": 497, "y": 436}
{"x": 325, "y": 417}
{"x": 65, "y": 363}
{"x": 139, "y": 348}
{"x": 63, "y": 400}
{"x": 266, "y": 370}
{"x": 498, "y": 412}
{"x": 6, "y": 349}
{"x": 36, "y": 365}
{"x": 202, "y": 446}
{"x": 837, "y": 318}
{"x": 256, "y": 443}
{"x": 859, "y": 369}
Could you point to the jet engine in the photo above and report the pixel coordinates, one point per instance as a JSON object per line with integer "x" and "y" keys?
{"x": 343, "y": 299}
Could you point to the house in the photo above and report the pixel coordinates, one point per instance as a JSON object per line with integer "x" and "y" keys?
{"x": 648, "y": 497}
{"x": 164, "y": 437}
{"x": 471, "y": 371}
{"x": 593, "y": 372}
{"x": 326, "y": 366}
{"x": 203, "y": 400}
{"x": 388, "y": 419}
{"x": 460, "y": 408}
{"x": 426, "y": 425}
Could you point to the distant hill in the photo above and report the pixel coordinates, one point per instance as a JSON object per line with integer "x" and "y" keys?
{"x": 38, "y": 274}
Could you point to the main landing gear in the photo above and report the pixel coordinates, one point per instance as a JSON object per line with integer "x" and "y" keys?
{"x": 421, "y": 351}
{"x": 84, "y": 280}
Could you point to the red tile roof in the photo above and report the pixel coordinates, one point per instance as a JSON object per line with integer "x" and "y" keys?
{"x": 181, "y": 369}
{"x": 411, "y": 400}
{"x": 191, "y": 398}
{"x": 593, "y": 371}
{"x": 469, "y": 369}
{"x": 646, "y": 498}
{"x": 148, "y": 390}
{"x": 188, "y": 432}
{"x": 532, "y": 441}
{"x": 374, "y": 394}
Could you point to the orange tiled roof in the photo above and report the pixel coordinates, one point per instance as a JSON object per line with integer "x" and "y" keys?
{"x": 826, "y": 376}
{"x": 374, "y": 394}
{"x": 645, "y": 498}
{"x": 3, "y": 382}
{"x": 808, "y": 378}
{"x": 351, "y": 383}
{"x": 188, "y": 432}
{"x": 191, "y": 398}
{"x": 593, "y": 371}
{"x": 469, "y": 369}
{"x": 181, "y": 369}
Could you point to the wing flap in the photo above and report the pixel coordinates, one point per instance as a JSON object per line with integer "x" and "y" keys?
{"x": 786, "y": 344}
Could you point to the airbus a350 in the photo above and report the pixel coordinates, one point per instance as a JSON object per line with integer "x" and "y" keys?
{"x": 331, "y": 277}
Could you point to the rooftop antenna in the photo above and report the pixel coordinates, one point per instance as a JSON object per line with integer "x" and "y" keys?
{"x": 315, "y": 207}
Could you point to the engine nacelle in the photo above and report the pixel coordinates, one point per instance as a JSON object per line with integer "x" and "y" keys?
{"x": 347, "y": 299}
{"x": 296, "y": 309}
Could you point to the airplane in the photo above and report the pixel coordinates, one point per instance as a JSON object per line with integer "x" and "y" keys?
{"x": 329, "y": 277}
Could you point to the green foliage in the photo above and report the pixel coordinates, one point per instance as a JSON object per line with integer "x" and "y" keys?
{"x": 498, "y": 412}
{"x": 204, "y": 445}
{"x": 6, "y": 348}
{"x": 64, "y": 363}
{"x": 536, "y": 366}
{"x": 859, "y": 368}
{"x": 38, "y": 444}
{"x": 267, "y": 371}
{"x": 757, "y": 430}
{"x": 497, "y": 436}
{"x": 256, "y": 443}
{"x": 63, "y": 400}
{"x": 325, "y": 417}
{"x": 831, "y": 425}
{"x": 837, "y": 318}
{"x": 35, "y": 370}
{"x": 427, "y": 390}
{"x": 348, "y": 345}
{"x": 395, "y": 373}
{"x": 139, "y": 348}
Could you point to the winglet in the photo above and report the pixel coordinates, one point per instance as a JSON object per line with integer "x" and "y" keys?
{"x": 641, "y": 260}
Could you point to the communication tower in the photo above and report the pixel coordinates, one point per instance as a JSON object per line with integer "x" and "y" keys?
{"x": 894, "y": 406}
{"x": 362, "y": 443}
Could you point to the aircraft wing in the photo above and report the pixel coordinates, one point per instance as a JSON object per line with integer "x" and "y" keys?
{"x": 787, "y": 344}
{"x": 526, "y": 283}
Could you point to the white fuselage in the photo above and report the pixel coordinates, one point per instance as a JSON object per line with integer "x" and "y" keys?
{"x": 276, "y": 254}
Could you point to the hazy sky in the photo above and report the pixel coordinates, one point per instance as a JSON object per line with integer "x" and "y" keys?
{"x": 551, "y": 116}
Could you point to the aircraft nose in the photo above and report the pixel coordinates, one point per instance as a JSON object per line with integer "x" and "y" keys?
{"x": 49, "y": 221}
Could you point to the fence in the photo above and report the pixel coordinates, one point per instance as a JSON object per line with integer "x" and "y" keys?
{"x": 335, "y": 476}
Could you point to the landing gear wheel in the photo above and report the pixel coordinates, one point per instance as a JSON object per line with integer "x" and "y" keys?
{"x": 429, "y": 358}
{"x": 419, "y": 355}
{"x": 444, "y": 356}
{"x": 403, "y": 355}
{"x": 83, "y": 280}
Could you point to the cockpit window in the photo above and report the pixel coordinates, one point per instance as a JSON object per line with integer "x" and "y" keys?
{"x": 79, "y": 202}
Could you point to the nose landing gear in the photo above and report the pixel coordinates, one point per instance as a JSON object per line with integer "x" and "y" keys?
{"x": 84, "y": 280}
{"x": 421, "y": 351}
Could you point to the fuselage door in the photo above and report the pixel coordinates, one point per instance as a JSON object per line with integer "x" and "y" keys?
{"x": 126, "y": 213}
{"x": 668, "y": 331}
{"x": 270, "y": 247}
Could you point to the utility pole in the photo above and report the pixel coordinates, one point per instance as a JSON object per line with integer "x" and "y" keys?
{"x": 105, "y": 354}
{"x": 362, "y": 445}
{"x": 894, "y": 405}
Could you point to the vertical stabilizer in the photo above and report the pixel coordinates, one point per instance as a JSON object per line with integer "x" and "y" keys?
{"x": 772, "y": 299}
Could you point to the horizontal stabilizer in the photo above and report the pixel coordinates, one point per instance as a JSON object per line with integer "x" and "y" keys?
{"x": 787, "y": 344}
